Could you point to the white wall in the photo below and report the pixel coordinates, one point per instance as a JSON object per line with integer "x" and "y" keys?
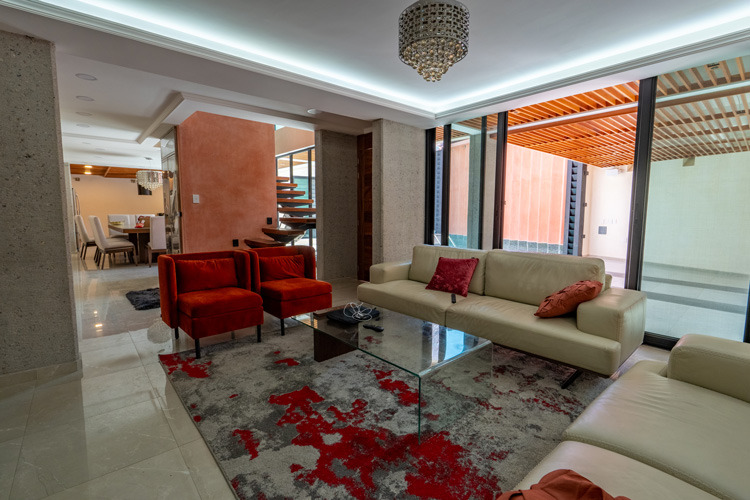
{"x": 698, "y": 216}
{"x": 101, "y": 196}
{"x": 608, "y": 198}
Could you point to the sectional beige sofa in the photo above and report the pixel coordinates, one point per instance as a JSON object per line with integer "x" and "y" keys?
{"x": 504, "y": 293}
{"x": 667, "y": 431}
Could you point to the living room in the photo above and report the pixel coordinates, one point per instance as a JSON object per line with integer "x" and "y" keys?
{"x": 643, "y": 181}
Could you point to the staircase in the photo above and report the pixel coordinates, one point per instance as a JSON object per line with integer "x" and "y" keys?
{"x": 295, "y": 216}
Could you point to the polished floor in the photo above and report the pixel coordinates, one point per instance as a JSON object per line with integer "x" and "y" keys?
{"x": 117, "y": 430}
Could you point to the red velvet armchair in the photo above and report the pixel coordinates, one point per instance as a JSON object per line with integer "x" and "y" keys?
{"x": 287, "y": 282}
{"x": 210, "y": 293}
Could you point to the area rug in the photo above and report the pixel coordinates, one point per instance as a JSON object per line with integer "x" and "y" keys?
{"x": 282, "y": 426}
{"x": 144, "y": 299}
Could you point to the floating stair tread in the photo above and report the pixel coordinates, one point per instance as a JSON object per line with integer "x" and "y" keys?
{"x": 293, "y": 202}
{"x": 289, "y": 194}
{"x": 272, "y": 231}
{"x": 282, "y": 179}
{"x": 297, "y": 220}
{"x": 297, "y": 210}
{"x": 264, "y": 243}
{"x": 285, "y": 185}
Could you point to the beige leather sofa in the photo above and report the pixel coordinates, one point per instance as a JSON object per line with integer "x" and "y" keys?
{"x": 504, "y": 293}
{"x": 668, "y": 431}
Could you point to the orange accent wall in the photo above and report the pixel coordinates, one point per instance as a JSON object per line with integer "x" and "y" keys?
{"x": 230, "y": 164}
{"x": 534, "y": 196}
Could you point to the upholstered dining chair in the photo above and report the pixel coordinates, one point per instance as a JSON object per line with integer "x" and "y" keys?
{"x": 158, "y": 241}
{"x": 86, "y": 240}
{"x": 124, "y": 218}
{"x": 288, "y": 282}
{"x": 109, "y": 246}
{"x": 209, "y": 293}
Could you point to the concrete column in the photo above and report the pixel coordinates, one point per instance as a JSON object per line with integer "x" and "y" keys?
{"x": 37, "y": 321}
{"x": 398, "y": 177}
{"x": 336, "y": 204}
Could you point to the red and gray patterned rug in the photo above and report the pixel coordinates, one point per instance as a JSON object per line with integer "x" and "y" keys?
{"x": 282, "y": 426}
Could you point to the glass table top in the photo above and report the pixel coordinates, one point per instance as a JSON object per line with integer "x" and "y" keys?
{"x": 409, "y": 343}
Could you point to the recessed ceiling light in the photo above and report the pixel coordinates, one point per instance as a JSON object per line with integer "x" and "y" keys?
{"x": 84, "y": 98}
{"x": 87, "y": 166}
{"x": 84, "y": 76}
{"x": 83, "y": 125}
{"x": 314, "y": 111}
{"x": 83, "y": 113}
{"x": 87, "y": 173}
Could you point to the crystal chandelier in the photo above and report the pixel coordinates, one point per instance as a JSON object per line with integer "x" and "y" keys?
{"x": 149, "y": 179}
{"x": 433, "y": 35}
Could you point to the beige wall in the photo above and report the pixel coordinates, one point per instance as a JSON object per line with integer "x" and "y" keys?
{"x": 101, "y": 196}
{"x": 608, "y": 199}
{"x": 291, "y": 139}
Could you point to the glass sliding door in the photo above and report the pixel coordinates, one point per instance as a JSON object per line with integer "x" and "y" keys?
{"x": 465, "y": 184}
{"x": 696, "y": 260}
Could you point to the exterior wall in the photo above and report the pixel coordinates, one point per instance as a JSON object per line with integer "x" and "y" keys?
{"x": 229, "y": 163}
{"x": 101, "y": 196}
{"x": 398, "y": 177}
{"x": 291, "y": 139}
{"x": 697, "y": 216}
{"x": 534, "y": 200}
{"x": 608, "y": 198}
{"x": 336, "y": 204}
{"x": 37, "y": 320}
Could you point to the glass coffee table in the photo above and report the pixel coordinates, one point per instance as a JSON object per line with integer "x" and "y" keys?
{"x": 453, "y": 368}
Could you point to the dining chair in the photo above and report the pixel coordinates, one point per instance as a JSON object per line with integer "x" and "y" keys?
{"x": 124, "y": 218}
{"x": 142, "y": 218}
{"x": 86, "y": 240}
{"x": 158, "y": 241}
{"x": 110, "y": 245}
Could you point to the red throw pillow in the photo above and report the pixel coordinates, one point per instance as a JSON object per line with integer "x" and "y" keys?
{"x": 561, "y": 484}
{"x": 453, "y": 275}
{"x": 567, "y": 299}
{"x": 194, "y": 275}
{"x": 282, "y": 267}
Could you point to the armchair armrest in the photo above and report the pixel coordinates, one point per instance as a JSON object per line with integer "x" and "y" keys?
{"x": 167, "y": 290}
{"x": 720, "y": 365}
{"x": 617, "y": 314}
{"x": 389, "y": 271}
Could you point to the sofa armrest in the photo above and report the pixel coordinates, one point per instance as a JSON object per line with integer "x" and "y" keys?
{"x": 617, "y": 314}
{"x": 720, "y": 365}
{"x": 389, "y": 271}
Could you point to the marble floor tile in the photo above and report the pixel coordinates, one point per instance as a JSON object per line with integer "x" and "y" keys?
{"x": 56, "y": 404}
{"x": 110, "y": 360}
{"x": 158, "y": 379}
{"x": 65, "y": 456}
{"x": 93, "y": 344}
{"x": 164, "y": 476}
{"x": 208, "y": 477}
{"x": 149, "y": 352}
{"x": 15, "y": 403}
{"x": 183, "y": 427}
{"x": 9, "y": 451}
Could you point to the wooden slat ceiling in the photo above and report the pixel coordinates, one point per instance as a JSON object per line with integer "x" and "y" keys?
{"x": 715, "y": 122}
{"x": 104, "y": 171}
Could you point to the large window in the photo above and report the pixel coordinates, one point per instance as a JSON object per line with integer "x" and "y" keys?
{"x": 696, "y": 259}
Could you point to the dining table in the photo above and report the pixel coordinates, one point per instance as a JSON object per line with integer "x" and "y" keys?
{"x": 140, "y": 236}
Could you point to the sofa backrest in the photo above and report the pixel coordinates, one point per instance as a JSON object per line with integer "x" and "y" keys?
{"x": 424, "y": 261}
{"x": 530, "y": 277}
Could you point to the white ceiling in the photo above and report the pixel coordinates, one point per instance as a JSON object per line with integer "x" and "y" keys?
{"x": 156, "y": 61}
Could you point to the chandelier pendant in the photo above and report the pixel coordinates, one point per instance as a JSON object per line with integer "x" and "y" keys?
{"x": 149, "y": 179}
{"x": 433, "y": 35}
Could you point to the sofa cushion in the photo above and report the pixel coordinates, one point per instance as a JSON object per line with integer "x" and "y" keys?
{"x": 424, "y": 261}
{"x": 281, "y": 267}
{"x": 217, "y": 301}
{"x": 453, "y": 275}
{"x": 409, "y": 297}
{"x": 530, "y": 277}
{"x": 513, "y": 324}
{"x": 567, "y": 299}
{"x": 617, "y": 474}
{"x": 294, "y": 289}
{"x": 695, "y": 434}
{"x": 207, "y": 274}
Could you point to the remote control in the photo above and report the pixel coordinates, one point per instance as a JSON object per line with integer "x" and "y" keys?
{"x": 453, "y": 298}
{"x": 374, "y": 327}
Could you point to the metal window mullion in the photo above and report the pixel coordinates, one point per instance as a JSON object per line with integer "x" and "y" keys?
{"x": 500, "y": 161}
{"x": 429, "y": 198}
{"x": 445, "y": 202}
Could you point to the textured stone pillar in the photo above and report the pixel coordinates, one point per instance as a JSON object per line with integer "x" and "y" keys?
{"x": 37, "y": 325}
{"x": 336, "y": 204}
{"x": 398, "y": 177}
